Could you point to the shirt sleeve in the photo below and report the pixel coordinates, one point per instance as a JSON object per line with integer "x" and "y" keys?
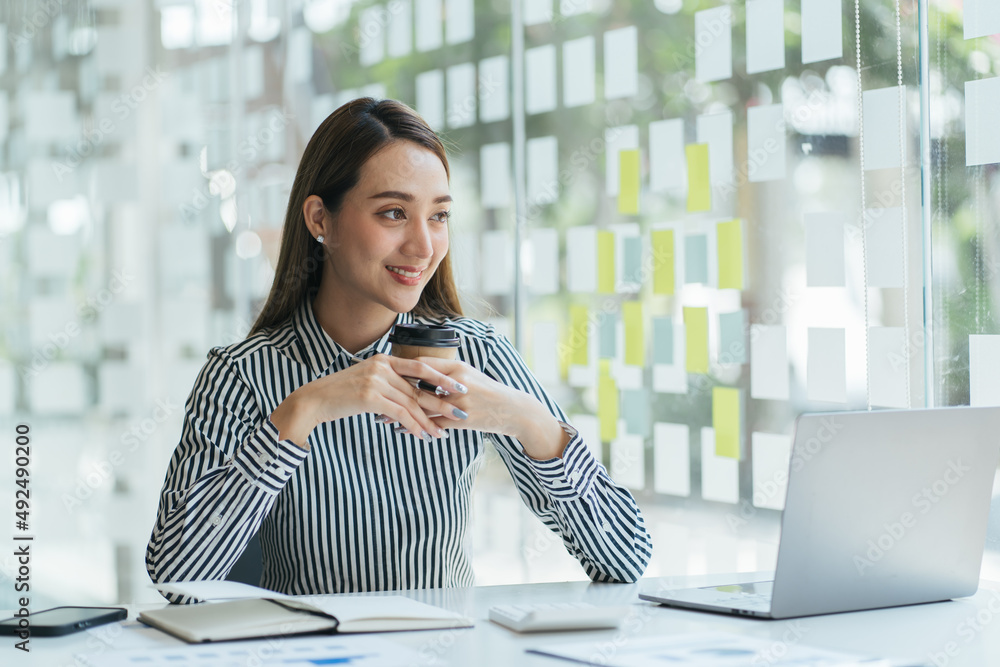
{"x": 222, "y": 479}
{"x": 598, "y": 520}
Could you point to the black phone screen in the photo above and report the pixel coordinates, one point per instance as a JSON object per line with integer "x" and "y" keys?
{"x": 63, "y": 620}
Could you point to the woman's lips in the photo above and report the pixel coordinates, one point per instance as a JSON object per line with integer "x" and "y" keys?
{"x": 405, "y": 275}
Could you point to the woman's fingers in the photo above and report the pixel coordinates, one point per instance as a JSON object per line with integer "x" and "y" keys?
{"x": 404, "y": 407}
{"x": 421, "y": 371}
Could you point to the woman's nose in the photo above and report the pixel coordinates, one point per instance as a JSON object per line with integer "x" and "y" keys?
{"x": 418, "y": 241}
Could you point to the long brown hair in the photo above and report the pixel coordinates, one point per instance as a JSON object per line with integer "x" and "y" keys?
{"x": 330, "y": 166}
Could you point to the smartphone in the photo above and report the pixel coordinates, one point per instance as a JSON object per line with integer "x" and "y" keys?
{"x": 62, "y": 620}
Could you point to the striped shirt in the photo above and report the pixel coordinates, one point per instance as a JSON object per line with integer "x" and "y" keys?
{"x": 365, "y": 508}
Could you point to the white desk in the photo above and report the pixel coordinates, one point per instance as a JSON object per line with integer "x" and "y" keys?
{"x": 908, "y": 632}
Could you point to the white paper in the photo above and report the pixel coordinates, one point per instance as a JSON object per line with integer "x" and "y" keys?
{"x": 713, "y": 35}
{"x": 768, "y": 362}
{"x": 372, "y": 35}
{"x": 982, "y": 18}
{"x": 667, "y": 158}
{"x": 461, "y": 95}
{"x": 461, "y": 21}
{"x": 982, "y": 141}
{"x": 581, "y": 259}
{"x": 771, "y": 456}
{"x": 589, "y": 428}
{"x": 535, "y": 12}
{"x": 824, "y": 249}
{"x": 881, "y": 127}
{"x": 822, "y": 30}
{"x": 720, "y": 475}
{"x": 765, "y": 35}
{"x": 498, "y": 248}
{"x": 61, "y": 388}
{"x": 544, "y": 244}
{"x": 716, "y": 130}
{"x": 765, "y": 140}
{"x": 578, "y": 72}
{"x": 545, "y": 349}
{"x": 542, "y": 155}
{"x": 884, "y": 251}
{"x": 670, "y": 379}
{"x": 428, "y": 28}
{"x": 540, "y": 74}
{"x": 984, "y": 364}
{"x": 494, "y": 99}
{"x": 494, "y": 172}
{"x": 671, "y": 459}
{"x": 621, "y": 63}
{"x": 887, "y": 359}
{"x": 399, "y": 31}
{"x": 826, "y": 365}
{"x": 430, "y": 97}
{"x": 628, "y": 460}
{"x": 617, "y": 139}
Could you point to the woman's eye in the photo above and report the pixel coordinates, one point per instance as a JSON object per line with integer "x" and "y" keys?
{"x": 443, "y": 216}
{"x": 394, "y": 214}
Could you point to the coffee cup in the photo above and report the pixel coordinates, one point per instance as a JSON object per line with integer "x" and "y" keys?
{"x": 410, "y": 341}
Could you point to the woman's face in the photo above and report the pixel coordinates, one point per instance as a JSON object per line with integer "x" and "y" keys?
{"x": 392, "y": 229}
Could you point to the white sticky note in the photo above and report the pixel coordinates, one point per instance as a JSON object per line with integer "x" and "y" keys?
{"x": 621, "y": 63}
{"x": 720, "y": 475}
{"x": 494, "y": 86}
{"x": 826, "y": 366}
{"x": 399, "y": 29}
{"x": 884, "y": 240}
{"x": 372, "y": 35}
{"x": 461, "y": 21}
{"x": 768, "y": 362}
{"x": 982, "y": 141}
{"x": 822, "y": 30}
{"x": 545, "y": 352}
{"x": 765, "y": 35}
{"x": 671, "y": 459}
{"x": 713, "y": 35}
{"x": 984, "y": 362}
{"x": 53, "y": 325}
{"x": 667, "y": 160}
{"x": 670, "y": 379}
{"x": 542, "y": 157}
{"x": 771, "y": 456}
{"x": 51, "y": 254}
{"x": 824, "y": 249}
{"x": 589, "y": 428}
{"x": 881, "y": 127}
{"x": 121, "y": 323}
{"x": 578, "y": 72}
{"x": 628, "y": 460}
{"x": 494, "y": 175}
{"x": 534, "y": 12}
{"x": 461, "y": 95}
{"x": 498, "y": 245}
{"x": 716, "y": 130}
{"x": 430, "y": 97}
{"x": 540, "y": 74}
{"x": 119, "y": 388}
{"x": 581, "y": 259}
{"x": 617, "y": 139}
{"x": 765, "y": 141}
{"x": 428, "y": 28}
{"x": 62, "y": 388}
{"x": 544, "y": 252}
{"x": 253, "y": 72}
{"x": 982, "y": 18}
{"x": 887, "y": 359}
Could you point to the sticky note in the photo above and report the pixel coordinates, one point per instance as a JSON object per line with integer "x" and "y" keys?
{"x": 696, "y": 337}
{"x": 716, "y": 130}
{"x": 765, "y": 35}
{"x": 494, "y": 87}
{"x": 608, "y": 332}
{"x": 607, "y": 405}
{"x": 578, "y": 343}
{"x": 887, "y": 367}
{"x": 984, "y": 360}
{"x": 50, "y": 116}
{"x": 768, "y": 362}
{"x": 498, "y": 245}
{"x": 765, "y": 143}
{"x": 578, "y": 72}
{"x": 461, "y": 23}
{"x": 605, "y": 262}
{"x": 713, "y": 33}
{"x": 372, "y": 45}
{"x": 699, "y": 196}
{"x": 826, "y": 365}
{"x": 726, "y": 421}
{"x": 732, "y": 337}
{"x": 545, "y": 349}
{"x": 662, "y": 242}
{"x": 982, "y": 18}
{"x": 635, "y": 342}
{"x": 399, "y": 30}
{"x": 581, "y": 259}
{"x": 535, "y": 12}
{"x": 428, "y": 28}
{"x": 589, "y": 428}
{"x": 628, "y": 465}
{"x": 772, "y": 454}
{"x": 621, "y": 63}
{"x": 544, "y": 244}
{"x": 720, "y": 475}
{"x": 982, "y": 141}
{"x": 542, "y": 157}
{"x": 430, "y": 97}
{"x": 881, "y": 127}
{"x": 730, "y": 250}
{"x": 299, "y": 65}
{"x": 118, "y": 387}
{"x": 494, "y": 175}
{"x": 671, "y": 459}
{"x": 461, "y": 95}
{"x": 540, "y": 79}
{"x": 617, "y": 139}
{"x": 824, "y": 249}
{"x": 628, "y": 188}
{"x": 635, "y": 411}
{"x": 696, "y": 258}
{"x": 667, "y": 163}
{"x": 663, "y": 340}
{"x": 884, "y": 238}
{"x": 632, "y": 272}
{"x": 61, "y": 389}
{"x": 822, "y": 30}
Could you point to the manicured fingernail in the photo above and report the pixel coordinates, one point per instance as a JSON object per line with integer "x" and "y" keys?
{"x": 442, "y": 392}
{"x": 444, "y": 434}
{"x": 460, "y": 388}
{"x": 401, "y": 429}
{"x": 426, "y": 436}
{"x": 383, "y": 419}
{"x": 461, "y": 414}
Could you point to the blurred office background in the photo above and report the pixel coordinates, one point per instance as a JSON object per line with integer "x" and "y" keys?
{"x": 673, "y": 207}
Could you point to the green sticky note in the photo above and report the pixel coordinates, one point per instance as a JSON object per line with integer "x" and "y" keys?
{"x": 732, "y": 337}
{"x": 730, "y": 242}
{"x": 607, "y": 404}
{"x": 628, "y": 181}
{"x": 726, "y": 421}
{"x": 606, "y": 262}
{"x": 578, "y": 341}
{"x": 635, "y": 342}
{"x": 608, "y": 337}
{"x": 662, "y": 241}
{"x": 632, "y": 259}
{"x": 663, "y": 340}
{"x": 635, "y": 411}
{"x": 699, "y": 188}
{"x": 696, "y": 258}
{"x": 696, "y": 338}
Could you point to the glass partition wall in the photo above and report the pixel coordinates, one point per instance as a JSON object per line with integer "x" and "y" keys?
{"x": 695, "y": 219}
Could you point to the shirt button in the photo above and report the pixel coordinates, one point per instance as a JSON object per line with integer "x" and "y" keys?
{"x": 216, "y": 520}
{"x": 263, "y": 459}
{"x": 574, "y": 476}
{"x": 606, "y": 527}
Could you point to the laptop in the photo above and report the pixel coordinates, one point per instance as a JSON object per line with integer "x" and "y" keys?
{"x": 883, "y": 509}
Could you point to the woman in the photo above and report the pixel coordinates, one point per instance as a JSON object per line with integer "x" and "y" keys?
{"x": 290, "y": 432}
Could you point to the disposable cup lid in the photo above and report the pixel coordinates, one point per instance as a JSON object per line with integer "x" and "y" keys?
{"x": 424, "y": 335}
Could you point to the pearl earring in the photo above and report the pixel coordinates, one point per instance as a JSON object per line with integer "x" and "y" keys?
{"x": 320, "y": 238}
